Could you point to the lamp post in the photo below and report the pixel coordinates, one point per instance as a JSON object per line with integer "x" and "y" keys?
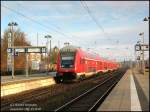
{"x": 48, "y": 59}
{"x": 142, "y": 53}
{"x": 137, "y": 57}
{"x": 11, "y": 25}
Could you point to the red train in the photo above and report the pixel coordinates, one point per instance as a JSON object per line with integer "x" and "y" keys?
{"x": 74, "y": 63}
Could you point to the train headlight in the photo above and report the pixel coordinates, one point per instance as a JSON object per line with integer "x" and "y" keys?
{"x": 71, "y": 65}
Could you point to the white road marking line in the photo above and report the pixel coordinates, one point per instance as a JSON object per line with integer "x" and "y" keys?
{"x": 135, "y": 103}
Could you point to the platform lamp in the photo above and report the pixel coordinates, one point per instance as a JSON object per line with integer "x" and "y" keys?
{"x": 143, "y": 63}
{"x": 146, "y": 19}
{"x": 11, "y": 25}
{"x": 48, "y": 59}
{"x": 142, "y": 53}
{"x": 138, "y": 57}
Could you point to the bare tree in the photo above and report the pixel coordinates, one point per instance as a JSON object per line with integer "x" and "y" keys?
{"x": 19, "y": 40}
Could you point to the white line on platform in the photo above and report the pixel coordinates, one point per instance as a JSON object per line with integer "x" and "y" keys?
{"x": 135, "y": 103}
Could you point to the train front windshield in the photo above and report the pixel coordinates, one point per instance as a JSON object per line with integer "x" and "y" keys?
{"x": 67, "y": 60}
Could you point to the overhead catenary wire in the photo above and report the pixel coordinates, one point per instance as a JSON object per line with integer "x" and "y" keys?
{"x": 57, "y": 27}
{"x": 90, "y": 14}
{"x": 44, "y": 26}
{"x": 85, "y": 6}
{"x": 32, "y": 20}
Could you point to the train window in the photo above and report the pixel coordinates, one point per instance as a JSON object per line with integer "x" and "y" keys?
{"x": 67, "y": 59}
{"x": 82, "y": 61}
{"x": 100, "y": 63}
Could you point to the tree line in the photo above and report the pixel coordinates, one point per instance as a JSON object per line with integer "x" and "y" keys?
{"x": 20, "y": 39}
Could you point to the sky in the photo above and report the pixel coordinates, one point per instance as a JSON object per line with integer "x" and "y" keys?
{"x": 112, "y": 33}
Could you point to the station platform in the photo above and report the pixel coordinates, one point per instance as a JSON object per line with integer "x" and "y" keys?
{"x": 9, "y": 79}
{"x": 22, "y": 83}
{"x": 130, "y": 94}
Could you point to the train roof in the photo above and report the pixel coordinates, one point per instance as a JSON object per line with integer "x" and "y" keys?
{"x": 69, "y": 48}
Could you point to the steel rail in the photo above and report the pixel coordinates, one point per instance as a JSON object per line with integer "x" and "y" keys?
{"x": 97, "y": 103}
{"x": 82, "y": 95}
{"x": 33, "y": 96}
{"x": 26, "y": 99}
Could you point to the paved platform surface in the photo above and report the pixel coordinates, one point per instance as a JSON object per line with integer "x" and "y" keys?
{"x": 142, "y": 85}
{"x": 7, "y": 79}
{"x": 130, "y": 94}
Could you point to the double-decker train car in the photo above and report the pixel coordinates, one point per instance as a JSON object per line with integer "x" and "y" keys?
{"x": 74, "y": 63}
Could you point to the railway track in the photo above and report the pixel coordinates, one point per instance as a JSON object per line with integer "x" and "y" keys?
{"x": 5, "y": 105}
{"x": 28, "y": 97}
{"x": 25, "y": 99}
{"x": 91, "y": 99}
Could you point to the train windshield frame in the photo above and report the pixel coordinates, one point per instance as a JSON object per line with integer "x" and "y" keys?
{"x": 67, "y": 59}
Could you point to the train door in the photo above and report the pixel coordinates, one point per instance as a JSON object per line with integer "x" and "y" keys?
{"x": 86, "y": 66}
{"x": 96, "y": 66}
{"x": 83, "y": 66}
{"x": 101, "y": 65}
